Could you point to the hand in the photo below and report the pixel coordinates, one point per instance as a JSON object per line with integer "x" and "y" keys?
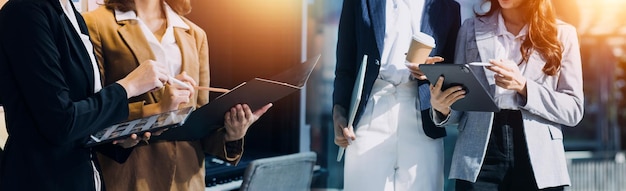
{"x": 239, "y": 119}
{"x": 343, "y": 134}
{"x": 508, "y": 76}
{"x": 132, "y": 140}
{"x": 172, "y": 97}
{"x": 148, "y": 76}
{"x": 415, "y": 70}
{"x": 187, "y": 79}
{"x": 441, "y": 101}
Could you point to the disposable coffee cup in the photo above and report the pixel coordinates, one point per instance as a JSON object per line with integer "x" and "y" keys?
{"x": 420, "y": 48}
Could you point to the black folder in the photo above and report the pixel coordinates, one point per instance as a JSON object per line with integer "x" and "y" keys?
{"x": 477, "y": 98}
{"x": 257, "y": 93}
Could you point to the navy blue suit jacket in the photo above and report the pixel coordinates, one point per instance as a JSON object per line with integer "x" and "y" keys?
{"x": 362, "y": 31}
{"x": 48, "y": 95}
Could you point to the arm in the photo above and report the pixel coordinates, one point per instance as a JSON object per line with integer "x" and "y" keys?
{"x": 61, "y": 119}
{"x": 451, "y": 39}
{"x": 562, "y": 104}
{"x": 97, "y": 28}
{"x": 445, "y": 116}
{"x": 215, "y": 143}
{"x": 345, "y": 68}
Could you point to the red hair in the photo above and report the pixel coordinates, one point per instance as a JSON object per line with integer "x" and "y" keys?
{"x": 542, "y": 33}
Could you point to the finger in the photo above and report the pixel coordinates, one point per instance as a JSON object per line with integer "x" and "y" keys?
{"x": 146, "y": 136}
{"x": 133, "y": 137}
{"x": 438, "y": 58}
{"x": 186, "y": 78}
{"x": 227, "y": 118}
{"x": 162, "y": 79}
{"x": 264, "y": 109}
{"x": 241, "y": 115}
{"x": 497, "y": 63}
{"x": 452, "y": 97}
{"x": 233, "y": 114}
{"x": 438, "y": 84}
{"x": 349, "y": 134}
{"x": 432, "y": 60}
{"x": 181, "y": 99}
{"x": 247, "y": 111}
{"x": 411, "y": 66}
{"x": 183, "y": 93}
{"x": 452, "y": 90}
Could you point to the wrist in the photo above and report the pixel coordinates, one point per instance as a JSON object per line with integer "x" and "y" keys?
{"x": 130, "y": 91}
{"x": 228, "y": 137}
{"x": 231, "y": 135}
{"x": 443, "y": 112}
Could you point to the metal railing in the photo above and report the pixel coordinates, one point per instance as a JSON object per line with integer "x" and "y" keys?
{"x": 599, "y": 171}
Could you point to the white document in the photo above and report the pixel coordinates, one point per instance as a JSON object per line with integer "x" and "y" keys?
{"x": 357, "y": 91}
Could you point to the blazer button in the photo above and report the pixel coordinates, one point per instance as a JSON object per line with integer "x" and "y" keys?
{"x": 377, "y": 62}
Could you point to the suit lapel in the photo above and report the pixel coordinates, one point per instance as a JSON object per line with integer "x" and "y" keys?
{"x": 132, "y": 34}
{"x": 185, "y": 42}
{"x": 377, "y": 16}
{"x": 485, "y": 32}
{"x": 74, "y": 40}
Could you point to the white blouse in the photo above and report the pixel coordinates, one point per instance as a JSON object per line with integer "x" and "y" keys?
{"x": 507, "y": 47}
{"x": 403, "y": 18}
{"x": 167, "y": 52}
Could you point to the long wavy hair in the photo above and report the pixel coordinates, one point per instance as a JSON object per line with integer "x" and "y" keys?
{"x": 542, "y": 33}
{"x": 182, "y": 7}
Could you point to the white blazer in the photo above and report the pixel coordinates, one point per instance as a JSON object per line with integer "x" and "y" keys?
{"x": 552, "y": 102}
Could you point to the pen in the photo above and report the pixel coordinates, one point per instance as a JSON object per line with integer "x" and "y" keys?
{"x": 181, "y": 84}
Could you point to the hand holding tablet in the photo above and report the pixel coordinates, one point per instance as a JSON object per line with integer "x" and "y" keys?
{"x": 477, "y": 96}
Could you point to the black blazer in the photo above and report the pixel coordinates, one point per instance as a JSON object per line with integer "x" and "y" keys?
{"x": 362, "y": 31}
{"x": 47, "y": 91}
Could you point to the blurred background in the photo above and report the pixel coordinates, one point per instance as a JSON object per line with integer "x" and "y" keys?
{"x": 254, "y": 38}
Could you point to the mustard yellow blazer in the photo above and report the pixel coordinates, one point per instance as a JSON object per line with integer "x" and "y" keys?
{"x": 165, "y": 165}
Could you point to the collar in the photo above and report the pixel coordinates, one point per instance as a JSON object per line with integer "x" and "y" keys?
{"x": 173, "y": 19}
{"x": 501, "y": 28}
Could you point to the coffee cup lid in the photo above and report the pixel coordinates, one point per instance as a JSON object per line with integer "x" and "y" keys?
{"x": 424, "y": 39}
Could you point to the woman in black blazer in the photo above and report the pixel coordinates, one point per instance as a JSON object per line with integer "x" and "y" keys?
{"x": 53, "y": 100}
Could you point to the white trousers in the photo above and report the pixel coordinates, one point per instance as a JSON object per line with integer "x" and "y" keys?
{"x": 391, "y": 151}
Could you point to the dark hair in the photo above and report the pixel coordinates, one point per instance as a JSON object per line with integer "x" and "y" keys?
{"x": 542, "y": 34}
{"x": 181, "y": 7}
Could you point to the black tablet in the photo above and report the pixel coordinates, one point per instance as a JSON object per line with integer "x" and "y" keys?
{"x": 152, "y": 123}
{"x": 477, "y": 98}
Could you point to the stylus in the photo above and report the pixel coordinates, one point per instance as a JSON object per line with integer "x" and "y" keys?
{"x": 181, "y": 84}
{"x": 480, "y": 64}
{"x": 178, "y": 83}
